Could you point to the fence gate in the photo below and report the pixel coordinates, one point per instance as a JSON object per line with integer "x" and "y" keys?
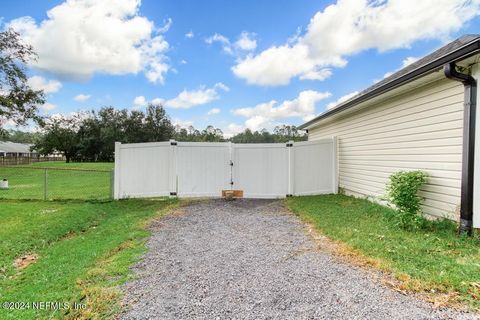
{"x": 204, "y": 169}
{"x": 261, "y": 170}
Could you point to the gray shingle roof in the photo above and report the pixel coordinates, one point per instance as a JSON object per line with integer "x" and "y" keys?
{"x": 425, "y": 60}
{"x": 422, "y": 66}
{"x": 12, "y": 147}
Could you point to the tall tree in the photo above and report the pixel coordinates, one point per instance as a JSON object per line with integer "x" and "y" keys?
{"x": 157, "y": 124}
{"x": 212, "y": 134}
{"x": 18, "y": 102}
{"x": 111, "y": 122}
{"x": 89, "y": 139}
{"x": 209, "y": 134}
{"x": 60, "y": 135}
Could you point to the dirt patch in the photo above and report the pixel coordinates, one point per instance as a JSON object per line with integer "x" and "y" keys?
{"x": 341, "y": 250}
{"x": 25, "y": 260}
{"x": 159, "y": 223}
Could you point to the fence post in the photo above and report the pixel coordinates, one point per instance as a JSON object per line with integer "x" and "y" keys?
{"x": 45, "y": 184}
{"x": 112, "y": 184}
{"x": 173, "y": 169}
{"x": 116, "y": 174}
{"x": 290, "y": 169}
{"x": 230, "y": 150}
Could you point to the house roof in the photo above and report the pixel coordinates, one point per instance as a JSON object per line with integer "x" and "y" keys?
{"x": 457, "y": 50}
{"x": 12, "y": 147}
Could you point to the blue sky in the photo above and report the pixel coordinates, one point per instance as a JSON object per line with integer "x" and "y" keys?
{"x": 238, "y": 63}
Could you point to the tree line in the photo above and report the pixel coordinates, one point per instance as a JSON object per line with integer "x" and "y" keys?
{"x": 90, "y": 136}
{"x": 19, "y": 136}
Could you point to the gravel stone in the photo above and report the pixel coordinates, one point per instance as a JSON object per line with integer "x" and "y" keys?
{"x": 252, "y": 259}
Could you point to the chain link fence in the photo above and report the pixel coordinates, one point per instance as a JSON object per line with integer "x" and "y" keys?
{"x": 17, "y": 182}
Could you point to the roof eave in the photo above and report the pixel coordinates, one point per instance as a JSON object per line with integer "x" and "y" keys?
{"x": 461, "y": 53}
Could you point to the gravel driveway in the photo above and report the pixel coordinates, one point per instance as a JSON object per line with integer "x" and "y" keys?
{"x": 251, "y": 259}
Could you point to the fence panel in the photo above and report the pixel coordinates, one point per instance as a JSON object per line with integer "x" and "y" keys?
{"x": 143, "y": 169}
{"x": 23, "y": 183}
{"x": 79, "y": 184}
{"x": 195, "y": 169}
{"x": 12, "y": 160}
{"x": 55, "y": 183}
{"x": 261, "y": 170}
{"x": 314, "y": 166}
{"x": 203, "y": 168}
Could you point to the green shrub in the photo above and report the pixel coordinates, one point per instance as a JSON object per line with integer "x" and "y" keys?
{"x": 402, "y": 191}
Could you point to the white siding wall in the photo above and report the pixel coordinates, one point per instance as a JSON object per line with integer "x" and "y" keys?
{"x": 420, "y": 129}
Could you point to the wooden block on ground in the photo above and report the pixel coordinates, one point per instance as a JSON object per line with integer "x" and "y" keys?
{"x": 232, "y": 193}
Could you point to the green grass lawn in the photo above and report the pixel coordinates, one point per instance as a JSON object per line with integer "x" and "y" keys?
{"x": 27, "y": 182}
{"x": 426, "y": 260}
{"x": 75, "y": 165}
{"x": 84, "y": 250}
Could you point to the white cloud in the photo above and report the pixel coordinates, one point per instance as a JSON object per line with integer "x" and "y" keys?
{"x": 246, "y": 41}
{"x": 157, "y": 101}
{"x": 189, "y": 34}
{"x": 187, "y": 99}
{"x": 81, "y": 97}
{"x": 224, "y": 41}
{"x": 259, "y": 123}
{"x": 213, "y": 111}
{"x": 233, "y": 129}
{"x": 182, "y": 123}
{"x": 321, "y": 74}
{"x": 40, "y": 83}
{"x": 276, "y": 65}
{"x": 183, "y": 61}
{"x": 220, "y": 85}
{"x": 405, "y": 62}
{"x": 262, "y": 115}
{"x": 408, "y": 61}
{"x": 139, "y": 101}
{"x": 342, "y": 99}
{"x": 46, "y": 107}
{"x": 217, "y": 37}
{"x": 166, "y": 25}
{"x": 351, "y": 26}
{"x": 82, "y": 37}
{"x": 386, "y": 75}
{"x": 308, "y": 117}
{"x": 7, "y": 123}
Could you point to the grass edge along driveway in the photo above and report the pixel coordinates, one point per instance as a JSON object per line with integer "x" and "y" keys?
{"x": 84, "y": 252}
{"x": 435, "y": 262}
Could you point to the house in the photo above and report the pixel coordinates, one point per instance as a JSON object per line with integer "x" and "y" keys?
{"x": 12, "y": 153}
{"x": 421, "y": 117}
{"x": 13, "y": 149}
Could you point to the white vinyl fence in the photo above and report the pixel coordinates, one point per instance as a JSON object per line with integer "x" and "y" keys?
{"x": 204, "y": 169}
{"x": 261, "y": 170}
